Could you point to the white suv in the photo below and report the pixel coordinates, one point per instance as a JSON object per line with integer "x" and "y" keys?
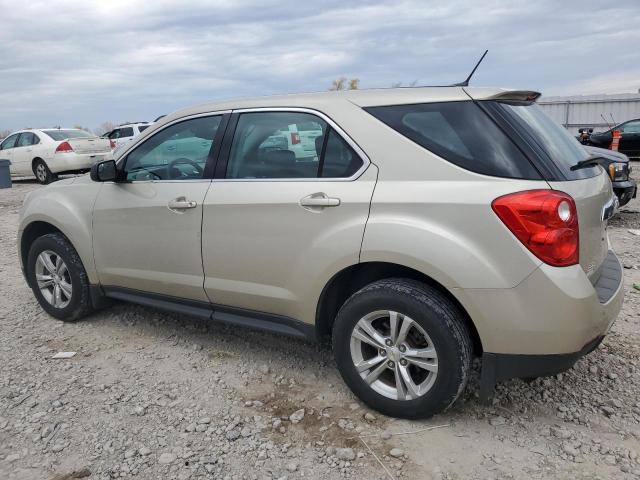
{"x": 125, "y": 133}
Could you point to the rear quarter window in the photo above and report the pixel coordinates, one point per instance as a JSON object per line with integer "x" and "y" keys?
{"x": 461, "y": 133}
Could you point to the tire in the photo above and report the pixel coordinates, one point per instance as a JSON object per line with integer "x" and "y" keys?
{"x": 436, "y": 316}
{"x": 42, "y": 172}
{"x": 71, "y": 307}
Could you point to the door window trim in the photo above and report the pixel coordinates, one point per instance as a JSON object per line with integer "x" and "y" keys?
{"x": 211, "y": 159}
{"x": 223, "y": 156}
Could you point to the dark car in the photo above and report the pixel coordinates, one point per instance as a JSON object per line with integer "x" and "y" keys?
{"x": 629, "y": 139}
{"x": 618, "y": 167}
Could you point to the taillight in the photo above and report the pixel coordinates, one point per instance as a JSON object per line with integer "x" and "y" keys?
{"x": 112, "y": 144}
{"x": 545, "y": 221}
{"x": 64, "y": 147}
{"x": 295, "y": 138}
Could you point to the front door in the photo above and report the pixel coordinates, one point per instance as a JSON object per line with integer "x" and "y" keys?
{"x": 630, "y": 139}
{"x": 23, "y": 153}
{"x": 277, "y": 220}
{"x": 6, "y": 152}
{"x": 147, "y": 226}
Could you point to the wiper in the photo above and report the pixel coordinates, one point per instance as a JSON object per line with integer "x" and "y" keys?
{"x": 589, "y": 162}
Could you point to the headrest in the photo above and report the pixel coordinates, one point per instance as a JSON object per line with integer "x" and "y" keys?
{"x": 280, "y": 158}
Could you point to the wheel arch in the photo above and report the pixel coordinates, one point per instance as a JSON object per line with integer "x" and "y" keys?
{"x": 351, "y": 279}
{"x": 31, "y": 232}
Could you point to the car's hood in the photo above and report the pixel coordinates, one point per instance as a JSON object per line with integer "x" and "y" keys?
{"x": 610, "y": 154}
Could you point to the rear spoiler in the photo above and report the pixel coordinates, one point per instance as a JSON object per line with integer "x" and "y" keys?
{"x": 517, "y": 96}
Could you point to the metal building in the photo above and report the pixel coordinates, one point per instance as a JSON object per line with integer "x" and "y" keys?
{"x": 588, "y": 110}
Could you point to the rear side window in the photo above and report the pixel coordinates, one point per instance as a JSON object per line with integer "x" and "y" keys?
{"x": 461, "y": 133}
{"x": 126, "y": 132}
{"x": 339, "y": 161}
{"x": 26, "y": 139}
{"x": 294, "y": 145}
{"x": 142, "y": 128}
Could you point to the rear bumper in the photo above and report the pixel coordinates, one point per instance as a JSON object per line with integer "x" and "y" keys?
{"x": 497, "y": 367}
{"x": 552, "y": 311}
{"x": 625, "y": 191}
{"x": 74, "y": 162}
{"x": 546, "y": 323}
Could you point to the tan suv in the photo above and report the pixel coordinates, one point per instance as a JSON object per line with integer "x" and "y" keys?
{"x": 430, "y": 225}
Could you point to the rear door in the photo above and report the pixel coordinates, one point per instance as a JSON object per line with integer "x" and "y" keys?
{"x": 147, "y": 226}
{"x": 274, "y": 222}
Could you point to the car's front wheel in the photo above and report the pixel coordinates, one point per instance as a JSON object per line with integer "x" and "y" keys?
{"x": 58, "y": 278}
{"x": 403, "y": 348}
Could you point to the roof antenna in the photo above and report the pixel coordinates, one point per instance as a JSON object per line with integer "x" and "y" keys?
{"x": 466, "y": 82}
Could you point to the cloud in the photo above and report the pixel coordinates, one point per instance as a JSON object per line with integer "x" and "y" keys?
{"x": 76, "y": 62}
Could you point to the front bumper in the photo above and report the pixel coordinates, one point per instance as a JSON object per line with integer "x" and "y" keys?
{"x": 625, "y": 191}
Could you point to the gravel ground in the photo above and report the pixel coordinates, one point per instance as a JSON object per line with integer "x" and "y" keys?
{"x": 153, "y": 395}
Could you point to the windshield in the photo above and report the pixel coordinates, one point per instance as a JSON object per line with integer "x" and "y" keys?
{"x": 64, "y": 134}
{"x": 554, "y": 140}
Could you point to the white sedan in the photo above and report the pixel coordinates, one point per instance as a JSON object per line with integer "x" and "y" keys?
{"x": 46, "y": 153}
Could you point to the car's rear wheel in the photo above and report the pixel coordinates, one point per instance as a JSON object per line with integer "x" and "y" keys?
{"x": 58, "y": 278}
{"x": 403, "y": 348}
{"x": 42, "y": 172}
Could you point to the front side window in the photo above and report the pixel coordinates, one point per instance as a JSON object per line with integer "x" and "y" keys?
{"x": 114, "y": 134}
{"x": 9, "y": 142}
{"x": 178, "y": 152}
{"x": 461, "y": 133}
{"x": 274, "y": 145}
{"x": 631, "y": 127}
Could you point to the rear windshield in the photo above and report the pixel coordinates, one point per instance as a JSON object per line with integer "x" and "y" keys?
{"x": 549, "y": 139}
{"x": 461, "y": 133}
{"x": 58, "y": 135}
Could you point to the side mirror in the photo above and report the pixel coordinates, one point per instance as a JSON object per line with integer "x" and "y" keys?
{"x": 104, "y": 171}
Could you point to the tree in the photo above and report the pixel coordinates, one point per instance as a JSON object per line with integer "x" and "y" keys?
{"x": 5, "y": 133}
{"x": 104, "y": 128}
{"x": 343, "y": 83}
{"x": 80, "y": 127}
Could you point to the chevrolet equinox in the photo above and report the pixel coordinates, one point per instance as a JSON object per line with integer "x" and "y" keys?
{"x": 413, "y": 228}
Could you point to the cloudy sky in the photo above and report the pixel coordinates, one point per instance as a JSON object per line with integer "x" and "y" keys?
{"x": 84, "y": 62}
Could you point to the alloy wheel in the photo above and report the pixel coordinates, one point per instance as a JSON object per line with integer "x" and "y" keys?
{"x": 394, "y": 355}
{"x": 41, "y": 172}
{"x": 54, "y": 279}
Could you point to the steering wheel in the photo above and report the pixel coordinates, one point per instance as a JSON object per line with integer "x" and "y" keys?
{"x": 182, "y": 161}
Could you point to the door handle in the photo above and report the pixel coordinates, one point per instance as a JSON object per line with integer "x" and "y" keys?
{"x": 319, "y": 200}
{"x": 181, "y": 203}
